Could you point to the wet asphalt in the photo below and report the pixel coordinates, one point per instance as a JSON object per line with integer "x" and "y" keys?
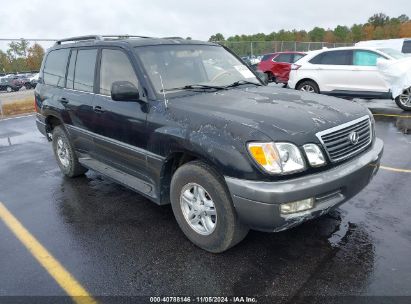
{"x": 117, "y": 243}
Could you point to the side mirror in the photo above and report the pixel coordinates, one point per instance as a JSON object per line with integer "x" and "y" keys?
{"x": 124, "y": 91}
{"x": 263, "y": 77}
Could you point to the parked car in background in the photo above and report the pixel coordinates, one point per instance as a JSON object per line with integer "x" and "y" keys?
{"x": 277, "y": 65}
{"x": 25, "y": 79}
{"x": 349, "y": 72}
{"x": 11, "y": 83}
{"x": 223, "y": 148}
{"x": 402, "y": 45}
{"x": 34, "y": 80}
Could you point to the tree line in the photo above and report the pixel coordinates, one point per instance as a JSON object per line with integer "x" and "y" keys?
{"x": 379, "y": 26}
{"x": 21, "y": 56}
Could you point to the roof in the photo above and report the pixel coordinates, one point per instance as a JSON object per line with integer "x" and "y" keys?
{"x": 132, "y": 41}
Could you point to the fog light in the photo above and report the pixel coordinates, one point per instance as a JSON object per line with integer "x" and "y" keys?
{"x": 297, "y": 206}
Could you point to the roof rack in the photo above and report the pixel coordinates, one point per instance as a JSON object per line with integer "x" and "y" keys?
{"x": 79, "y": 38}
{"x": 123, "y": 36}
{"x": 98, "y": 37}
{"x": 172, "y": 37}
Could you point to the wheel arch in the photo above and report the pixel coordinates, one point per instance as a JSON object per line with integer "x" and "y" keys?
{"x": 174, "y": 161}
{"x": 52, "y": 121}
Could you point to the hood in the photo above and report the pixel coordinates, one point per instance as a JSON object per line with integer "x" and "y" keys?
{"x": 278, "y": 113}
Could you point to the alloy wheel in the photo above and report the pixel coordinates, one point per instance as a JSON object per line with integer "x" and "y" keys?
{"x": 307, "y": 88}
{"x": 405, "y": 97}
{"x": 62, "y": 152}
{"x": 198, "y": 209}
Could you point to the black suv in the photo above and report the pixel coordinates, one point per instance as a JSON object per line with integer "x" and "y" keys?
{"x": 188, "y": 123}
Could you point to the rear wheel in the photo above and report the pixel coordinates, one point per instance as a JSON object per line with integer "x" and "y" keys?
{"x": 404, "y": 100}
{"x": 9, "y": 89}
{"x": 270, "y": 77}
{"x": 203, "y": 208}
{"x": 308, "y": 86}
{"x": 65, "y": 154}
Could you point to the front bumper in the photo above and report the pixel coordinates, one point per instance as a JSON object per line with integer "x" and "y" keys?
{"x": 258, "y": 203}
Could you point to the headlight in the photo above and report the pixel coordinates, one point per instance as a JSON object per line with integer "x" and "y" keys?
{"x": 314, "y": 155}
{"x": 277, "y": 158}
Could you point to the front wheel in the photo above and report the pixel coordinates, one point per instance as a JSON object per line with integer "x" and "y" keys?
{"x": 203, "y": 208}
{"x": 404, "y": 100}
{"x": 9, "y": 89}
{"x": 308, "y": 86}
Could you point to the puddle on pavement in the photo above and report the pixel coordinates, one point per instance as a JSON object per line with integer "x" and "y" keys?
{"x": 402, "y": 123}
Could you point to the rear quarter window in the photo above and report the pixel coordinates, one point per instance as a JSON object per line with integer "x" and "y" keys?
{"x": 54, "y": 71}
{"x": 266, "y": 57}
{"x": 297, "y": 57}
{"x": 284, "y": 58}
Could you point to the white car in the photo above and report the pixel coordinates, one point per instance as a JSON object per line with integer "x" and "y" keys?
{"x": 402, "y": 45}
{"x": 34, "y": 77}
{"x": 349, "y": 72}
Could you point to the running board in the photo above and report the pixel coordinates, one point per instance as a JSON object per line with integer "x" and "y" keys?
{"x": 120, "y": 177}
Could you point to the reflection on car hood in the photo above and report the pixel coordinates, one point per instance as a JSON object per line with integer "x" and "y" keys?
{"x": 279, "y": 113}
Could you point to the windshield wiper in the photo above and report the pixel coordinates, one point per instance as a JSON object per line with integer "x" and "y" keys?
{"x": 240, "y": 82}
{"x": 194, "y": 87}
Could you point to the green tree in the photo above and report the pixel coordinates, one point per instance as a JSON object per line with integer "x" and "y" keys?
{"x": 216, "y": 38}
{"x": 341, "y": 33}
{"x": 403, "y": 18}
{"x": 4, "y": 62}
{"x": 357, "y": 32}
{"x": 317, "y": 34}
{"x": 18, "y": 49}
{"x": 379, "y": 19}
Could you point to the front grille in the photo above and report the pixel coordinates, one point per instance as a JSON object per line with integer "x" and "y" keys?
{"x": 340, "y": 142}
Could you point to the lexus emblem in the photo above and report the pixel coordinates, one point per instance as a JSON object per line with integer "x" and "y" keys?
{"x": 354, "y": 137}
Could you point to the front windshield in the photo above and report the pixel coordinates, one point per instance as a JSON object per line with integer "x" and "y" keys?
{"x": 173, "y": 67}
{"x": 393, "y": 53}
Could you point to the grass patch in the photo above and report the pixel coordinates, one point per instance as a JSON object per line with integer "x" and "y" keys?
{"x": 18, "y": 107}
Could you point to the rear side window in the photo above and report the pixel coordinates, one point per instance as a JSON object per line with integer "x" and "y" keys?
{"x": 284, "y": 58}
{"x": 366, "y": 58}
{"x": 115, "y": 66}
{"x": 54, "y": 71}
{"x": 84, "y": 70}
{"x": 266, "y": 57}
{"x": 297, "y": 57}
{"x": 334, "y": 58}
{"x": 406, "y": 47}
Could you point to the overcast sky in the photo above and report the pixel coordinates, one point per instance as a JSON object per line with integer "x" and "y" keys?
{"x": 194, "y": 18}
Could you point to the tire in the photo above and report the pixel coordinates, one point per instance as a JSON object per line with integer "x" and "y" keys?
{"x": 227, "y": 230}
{"x": 9, "y": 89}
{"x": 65, "y": 155}
{"x": 308, "y": 86}
{"x": 270, "y": 77}
{"x": 404, "y": 100}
